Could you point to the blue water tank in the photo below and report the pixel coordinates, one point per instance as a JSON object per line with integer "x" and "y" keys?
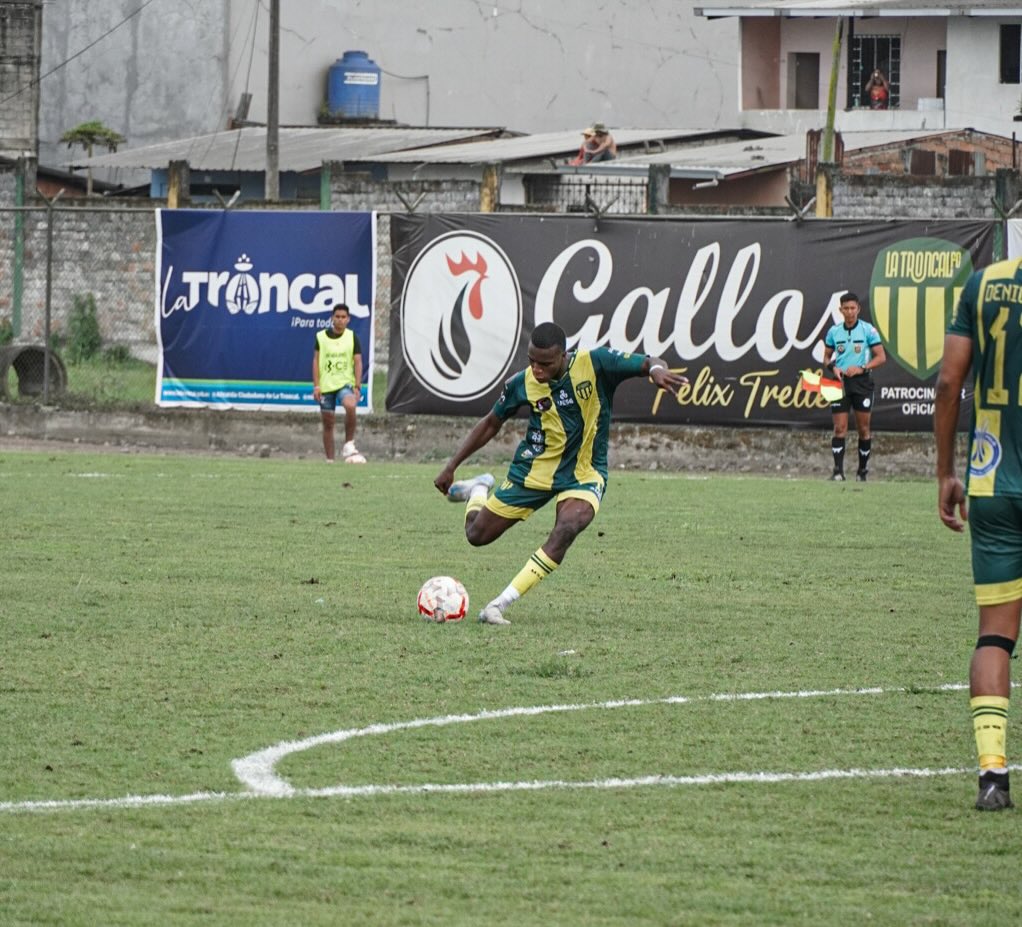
{"x": 353, "y": 87}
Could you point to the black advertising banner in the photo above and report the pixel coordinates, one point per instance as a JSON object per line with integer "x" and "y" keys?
{"x": 739, "y": 306}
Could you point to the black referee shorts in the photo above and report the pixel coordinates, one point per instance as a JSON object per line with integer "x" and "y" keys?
{"x": 858, "y": 395}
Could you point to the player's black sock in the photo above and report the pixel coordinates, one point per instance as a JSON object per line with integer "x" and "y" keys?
{"x": 837, "y": 445}
{"x": 865, "y": 445}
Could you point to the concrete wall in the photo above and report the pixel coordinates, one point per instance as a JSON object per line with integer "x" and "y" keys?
{"x": 975, "y": 95}
{"x": 109, "y": 253}
{"x": 179, "y": 69}
{"x": 781, "y": 452}
{"x": 19, "y": 65}
{"x": 159, "y": 75}
{"x": 766, "y": 189}
{"x": 866, "y": 196}
{"x": 761, "y": 63}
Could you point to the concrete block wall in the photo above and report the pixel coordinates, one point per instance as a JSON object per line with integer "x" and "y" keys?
{"x": 108, "y": 253}
{"x": 361, "y": 193}
{"x": 19, "y": 63}
{"x": 8, "y": 185}
{"x": 874, "y": 196}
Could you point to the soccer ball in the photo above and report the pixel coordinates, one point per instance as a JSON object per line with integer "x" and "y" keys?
{"x": 442, "y": 598}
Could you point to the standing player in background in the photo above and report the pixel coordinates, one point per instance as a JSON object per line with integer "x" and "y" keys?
{"x": 985, "y": 338}
{"x": 563, "y": 455}
{"x": 852, "y": 348}
{"x": 337, "y": 375}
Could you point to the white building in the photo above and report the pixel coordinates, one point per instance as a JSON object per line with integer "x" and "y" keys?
{"x": 954, "y": 65}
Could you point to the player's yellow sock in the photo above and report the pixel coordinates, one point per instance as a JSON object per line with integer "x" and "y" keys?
{"x": 990, "y": 722}
{"x": 538, "y": 567}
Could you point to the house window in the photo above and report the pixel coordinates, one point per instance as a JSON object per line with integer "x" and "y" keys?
{"x": 866, "y": 54}
{"x": 1011, "y": 59}
{"x": 941, "y": 73}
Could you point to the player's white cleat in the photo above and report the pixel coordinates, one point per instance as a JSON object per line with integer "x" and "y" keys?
{"x": 462, "y": 489}
{"x": 492, "y": 615}
{"x": 351, "y": 454}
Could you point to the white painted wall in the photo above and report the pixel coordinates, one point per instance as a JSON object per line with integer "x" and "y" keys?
{"x": 179, "y": 67}
{"x": 975, "y": 98}
{"x": 975, "y": 95}
{"x": 158, "y": 76}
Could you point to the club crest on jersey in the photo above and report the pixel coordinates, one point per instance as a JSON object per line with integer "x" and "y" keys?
{"x": 986, "y": 454}
{"x": 584, "y": 389}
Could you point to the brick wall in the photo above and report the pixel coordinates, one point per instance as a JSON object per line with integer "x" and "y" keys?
{"x": 990, "y": 153}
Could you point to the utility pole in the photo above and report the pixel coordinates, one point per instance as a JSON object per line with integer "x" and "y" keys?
{"x": 825, "y": 166}
{"x": 273, "y": 108}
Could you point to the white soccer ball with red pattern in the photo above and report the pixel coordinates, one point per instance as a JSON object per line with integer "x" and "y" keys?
{"x": 442, "y": 598}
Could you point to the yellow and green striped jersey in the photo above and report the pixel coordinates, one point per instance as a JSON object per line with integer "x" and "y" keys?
{"x": 566, "y": 439}
{"x": 990, "y": 313}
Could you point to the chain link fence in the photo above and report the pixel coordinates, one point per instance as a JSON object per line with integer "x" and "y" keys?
{"x": 76, "y": 304}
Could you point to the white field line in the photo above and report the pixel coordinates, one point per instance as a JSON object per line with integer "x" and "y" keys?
{"x": 257, "y": 771}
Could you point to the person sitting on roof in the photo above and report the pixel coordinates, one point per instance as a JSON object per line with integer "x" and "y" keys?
{"x": 586, "y": 148}
{"x": 604, "y": 149}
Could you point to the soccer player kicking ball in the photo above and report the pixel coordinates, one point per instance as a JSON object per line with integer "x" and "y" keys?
{"x": 563, "y": 455}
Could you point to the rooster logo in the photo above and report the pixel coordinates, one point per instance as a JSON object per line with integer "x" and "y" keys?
{"x": 453, "y": 348}
{"x": 461, "y": 315}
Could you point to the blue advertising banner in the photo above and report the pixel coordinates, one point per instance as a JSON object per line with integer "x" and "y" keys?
{"x": 240, "y": 297}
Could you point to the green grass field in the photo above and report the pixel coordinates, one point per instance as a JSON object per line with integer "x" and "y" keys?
{"x": 165, "y": 616}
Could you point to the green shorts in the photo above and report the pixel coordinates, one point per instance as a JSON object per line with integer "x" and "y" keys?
{"x": 513, "y": 501}
{"x": 995, "y": 526}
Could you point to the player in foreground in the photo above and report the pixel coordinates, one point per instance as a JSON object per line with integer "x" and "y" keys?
{"x": 563, "y": 455}
{"x": 852, "y": 348}
{"x": 985, "y": 335}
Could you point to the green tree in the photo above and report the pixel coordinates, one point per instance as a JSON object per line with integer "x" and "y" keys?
{"x": 91, "y": 135}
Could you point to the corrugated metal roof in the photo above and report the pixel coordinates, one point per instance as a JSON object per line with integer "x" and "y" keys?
{"x": 534, "y": 147}
{"x": 732, "y": 158}
{"x": 306, "y": 149}
{"x": 299, "y": 149}
{"x": 859, "y": 8}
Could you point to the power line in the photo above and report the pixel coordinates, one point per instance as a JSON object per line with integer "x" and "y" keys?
{"x": 77, "y": 54}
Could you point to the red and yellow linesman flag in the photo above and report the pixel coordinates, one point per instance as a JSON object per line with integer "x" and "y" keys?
{"x": 813, "y": 382}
